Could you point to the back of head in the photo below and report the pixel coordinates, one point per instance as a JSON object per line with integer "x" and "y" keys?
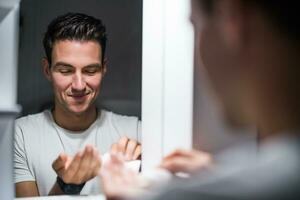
{"x": 74, "y": 26}
{"x": 282, "y": 15}
{"x": 250, "y": 51}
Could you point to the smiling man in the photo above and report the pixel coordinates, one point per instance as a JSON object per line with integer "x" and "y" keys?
{"x": 58, "y": 151}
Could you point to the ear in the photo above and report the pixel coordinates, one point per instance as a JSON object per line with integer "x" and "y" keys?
{"x": 232, "y": 18}
{"x": 104, "y": 68}
{"x": 46, "y": 69}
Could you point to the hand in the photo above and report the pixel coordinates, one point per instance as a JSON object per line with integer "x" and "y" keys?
{"x": 188, "y": 161}
{"x": 131, "y": 149}
{"x": 82, "y": 167}
{"x": 119, "y": 181}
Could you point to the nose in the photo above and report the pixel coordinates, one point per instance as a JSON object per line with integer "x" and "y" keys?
{"x": 78, "y": 83}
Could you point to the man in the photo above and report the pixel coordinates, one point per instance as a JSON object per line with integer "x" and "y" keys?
{"x": 58, "y": 151}
{"x": 250, "y": 51}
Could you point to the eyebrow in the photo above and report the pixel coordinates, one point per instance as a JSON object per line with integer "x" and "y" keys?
{"x": 97, "y": 65}
{"x": 69, "y": 65}
{"x": 63, "y": 64}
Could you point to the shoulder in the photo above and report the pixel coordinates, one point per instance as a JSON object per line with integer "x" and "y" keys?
{"x": 33, "y": 118}
{"x": 33, "y": 122}
{"x": 119, "y": 119}
{"x": 124, "y": 125}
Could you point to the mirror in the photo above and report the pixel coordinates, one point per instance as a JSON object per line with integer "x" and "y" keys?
{"x": 120, "y": 90}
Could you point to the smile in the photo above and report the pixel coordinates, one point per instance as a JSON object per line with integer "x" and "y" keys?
{"x": 79, "y": 96}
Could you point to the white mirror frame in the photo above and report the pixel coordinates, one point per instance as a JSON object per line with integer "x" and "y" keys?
{"x": 167, "y": 79}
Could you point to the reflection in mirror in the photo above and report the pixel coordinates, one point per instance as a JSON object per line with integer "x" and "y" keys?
{"x": 80, "y": 94}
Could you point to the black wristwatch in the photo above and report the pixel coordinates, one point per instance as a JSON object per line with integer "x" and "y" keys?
{"x": 69, "y": 188}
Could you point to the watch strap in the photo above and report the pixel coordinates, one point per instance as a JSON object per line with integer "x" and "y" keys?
{"x": 69, "y": 188}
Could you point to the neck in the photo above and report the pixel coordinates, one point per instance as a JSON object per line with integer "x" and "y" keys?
{"x": 280, "y": 116}
{"x": 271, "y": 92}
{"x": 278, "y": 99}
{"x": 278, "y": 126}
{"x": 72, "y": 121}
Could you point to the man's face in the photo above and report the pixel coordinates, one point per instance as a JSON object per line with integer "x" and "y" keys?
{"x": 76, "y": 73}
{"x": 220, "y": 61}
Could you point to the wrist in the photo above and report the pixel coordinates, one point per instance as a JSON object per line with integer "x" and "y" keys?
{"x": 69, "y": 188}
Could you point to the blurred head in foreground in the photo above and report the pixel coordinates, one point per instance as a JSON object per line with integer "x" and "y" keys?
{"x": 249, "y": 50}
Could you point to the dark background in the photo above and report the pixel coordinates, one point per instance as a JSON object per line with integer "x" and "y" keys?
{"x": 121, "y": 87}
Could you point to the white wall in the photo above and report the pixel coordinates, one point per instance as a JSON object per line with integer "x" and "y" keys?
{"x": 8, "y": 3}
{"x": 167, "y": 82}
{"x": 9, "y": 30}
{"x": 9, "y": 24}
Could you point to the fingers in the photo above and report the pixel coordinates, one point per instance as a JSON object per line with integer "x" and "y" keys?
{"x": 137, "y": 153}
{"x": 90, "y": 165}
{"x": 68, "y": 162}
{"x": 131, "y": 149}
{"x": 110, "y": 176}
{"x": 122, "y": 145}
{"x": 85, "y": 164}
{"x": 186, "y": 161}
{"x": 179, "y": 152}
{"x": 114, "y": 148}
{"x": 116, "y": 160}
{"x": 178, "y": 164}
{"x": 69, "y": 174}
{"x": 59, "y": 162}
{"x": 117, "y": 180}
{"x": 95, "y": 165}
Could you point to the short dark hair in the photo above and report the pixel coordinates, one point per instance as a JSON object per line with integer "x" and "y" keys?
{"x": 74, "y": 26}
{"x": 282, "y": 14}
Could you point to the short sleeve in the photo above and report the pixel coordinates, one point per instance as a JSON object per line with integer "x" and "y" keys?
{"x": 22, "y": 170}
{"x": 127, "y": 126}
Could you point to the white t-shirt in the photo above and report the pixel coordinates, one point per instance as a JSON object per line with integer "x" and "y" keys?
{"x": 39, "y": 141}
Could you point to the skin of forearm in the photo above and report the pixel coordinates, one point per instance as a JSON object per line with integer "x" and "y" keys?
{"x": 55, "y": 190}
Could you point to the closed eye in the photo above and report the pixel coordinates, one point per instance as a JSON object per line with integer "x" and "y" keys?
{"x": 63, "y": 68}
{"x": 91, "y": 70}
{"x": 65, "y": 71}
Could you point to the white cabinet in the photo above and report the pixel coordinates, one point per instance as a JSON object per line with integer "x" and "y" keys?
{"x": 9, "y": 23}
{"x": 9, "y": 30}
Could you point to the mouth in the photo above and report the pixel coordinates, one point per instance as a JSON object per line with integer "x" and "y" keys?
{"x": 79, "y": 97}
